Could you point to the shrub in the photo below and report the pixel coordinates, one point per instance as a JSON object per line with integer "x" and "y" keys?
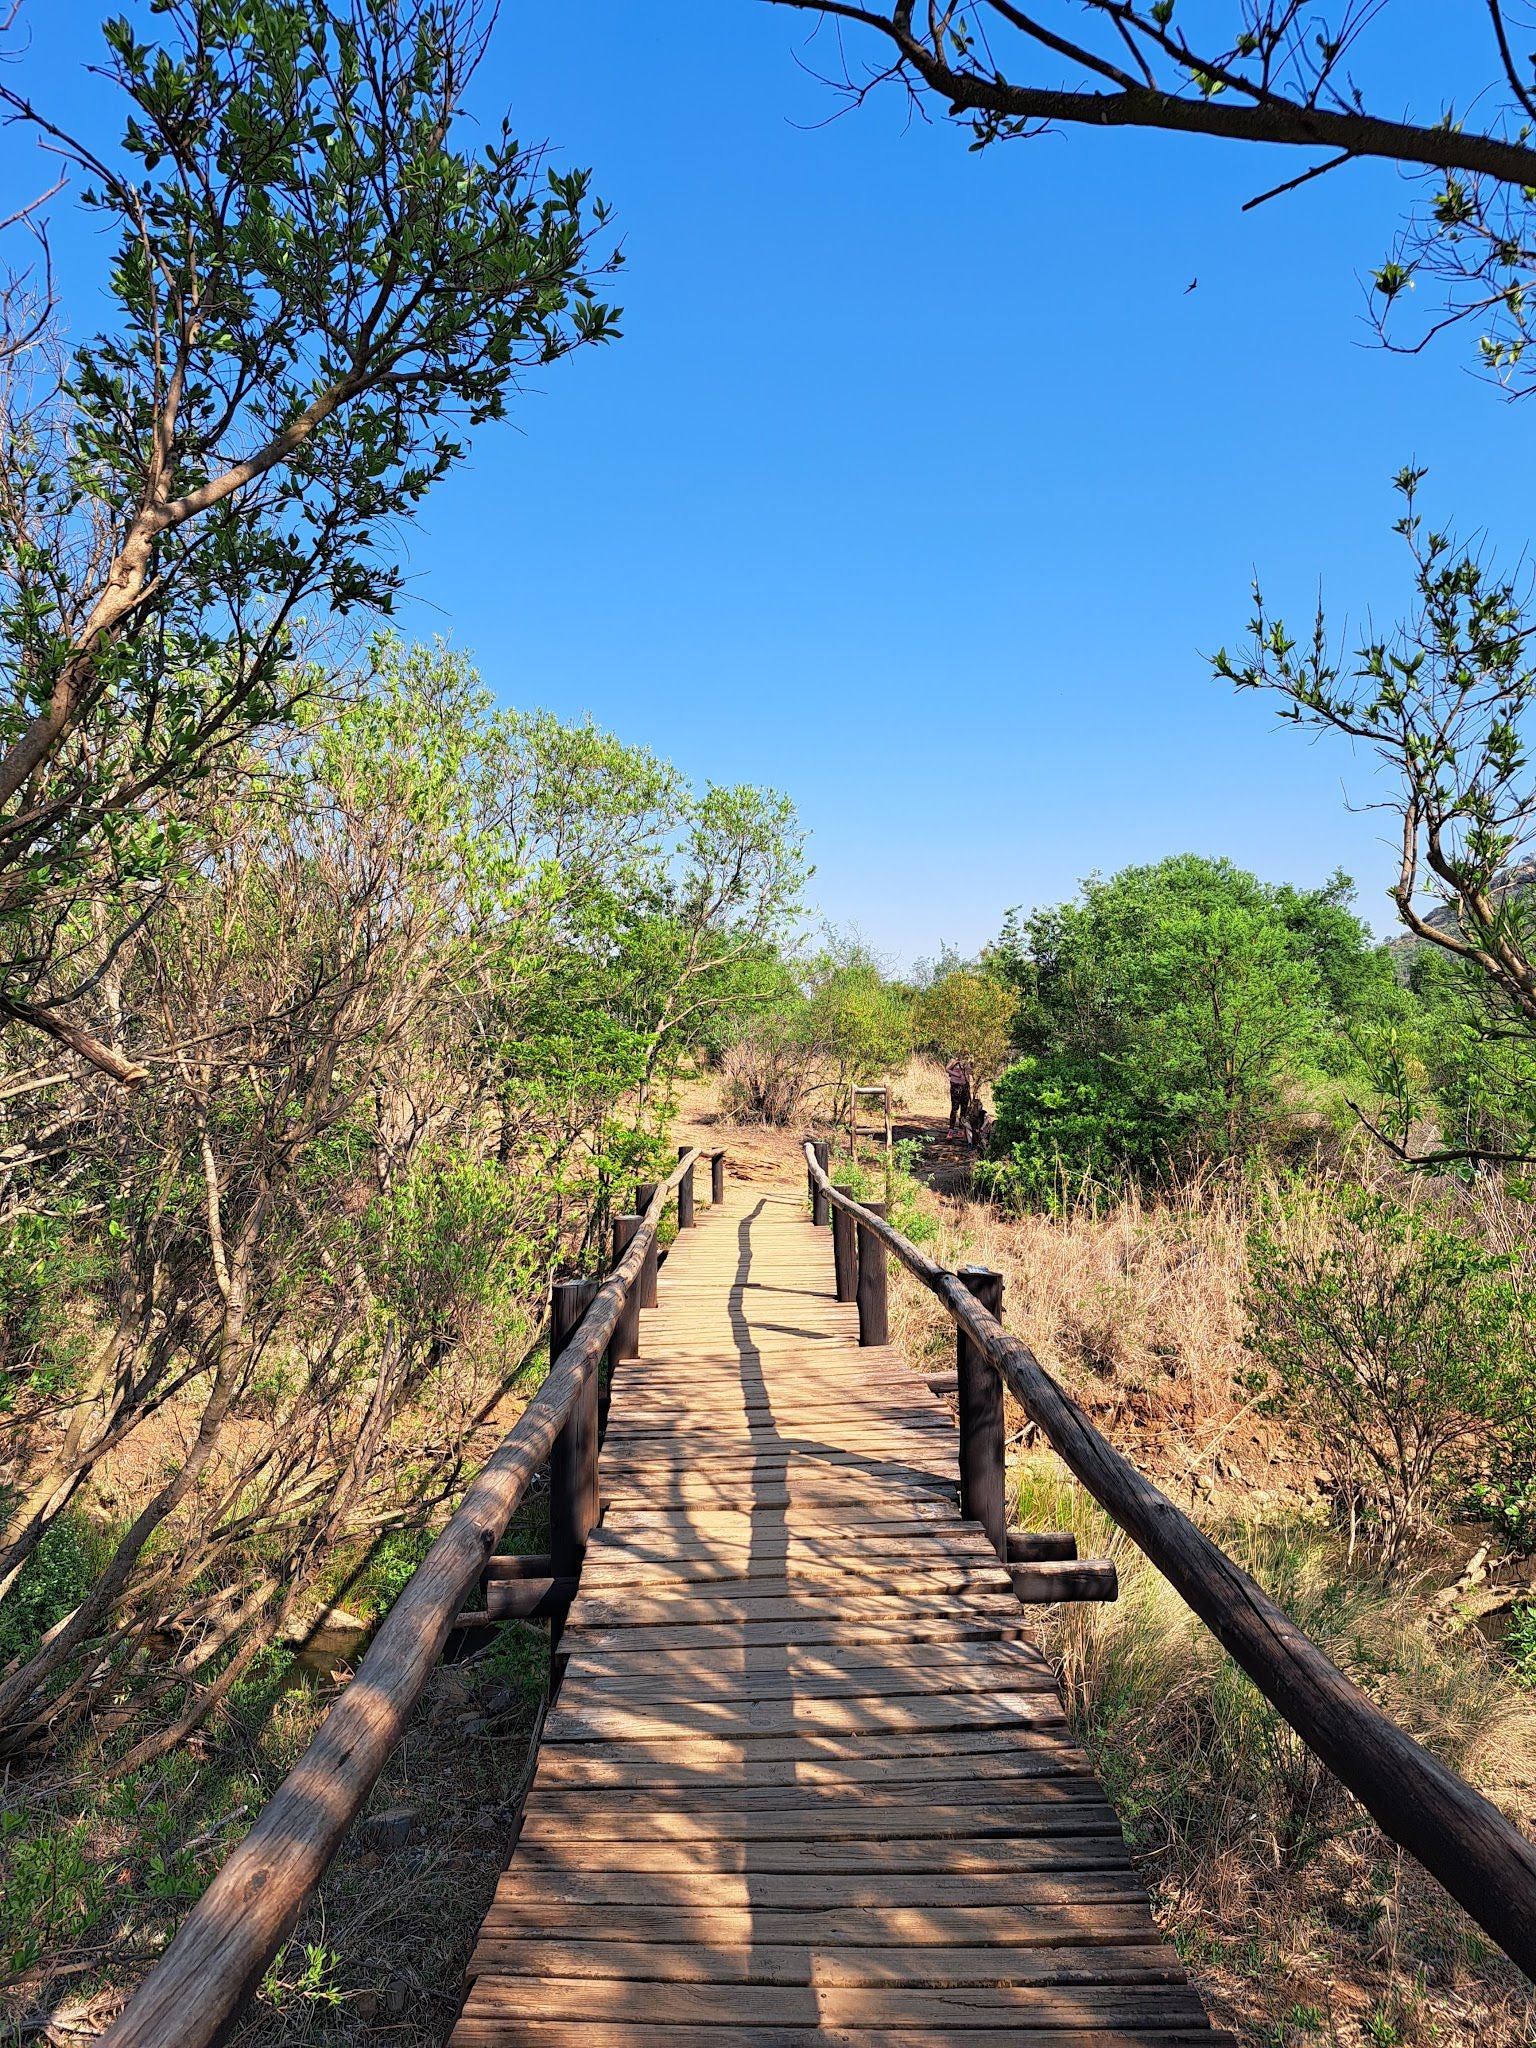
{"x": 1062, "y": 1129}
{"x": 1400, "y": 1342}
{"x": 1175, "y": 1018}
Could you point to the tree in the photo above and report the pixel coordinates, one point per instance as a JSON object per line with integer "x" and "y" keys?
{"x": 965, "y": 1013}
{"x": 317, "y": 290}
{"x": 394, "y": 1068}
{"x": 1445, "y": 702}
{"x": 1264, "y": 71}
{"x": 1167, "y": 1020}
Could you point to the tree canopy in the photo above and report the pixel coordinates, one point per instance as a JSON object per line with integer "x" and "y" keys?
{"x": 319, "y": 284}
{"x": 1167, "y": 1017}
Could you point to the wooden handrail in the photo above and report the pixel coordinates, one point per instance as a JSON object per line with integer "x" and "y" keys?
{"x": 1460, "y": 1837}
{"x": 196, "y": 1990}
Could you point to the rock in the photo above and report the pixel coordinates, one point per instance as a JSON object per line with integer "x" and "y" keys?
{"x": 389, "y": 1831}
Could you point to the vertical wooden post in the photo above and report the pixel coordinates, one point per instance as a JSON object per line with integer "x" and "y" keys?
{"x": 821, "y": 1208}
{"x": 685, "y": 1196}
{"x": 717, "y": 1178}
{"x": 626, "y": 1331}
{"x": 983, "y": 1487}
{"x": 645, "y": 1194}
{"x": 574, "y": 1504}
{"x": 874, "y": 1322}
{"x": 845, "y": 1257}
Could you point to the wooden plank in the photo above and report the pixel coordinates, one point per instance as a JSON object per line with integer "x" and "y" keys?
{"x": 701, "y": 1683}
{"x": 621, "y": 1721}
{"x": 720, "y": 1659}
{"x": 568, "y": 2033}
{"x": 1058, "y": 1879}
{"x": 1038, "y": 1924}
{"x": 758, "y": 1758}
{"x": 938, "y": 1854}
{"x": 760, "y": 1961}
{"x": 587, "y": 1766}
{"x": 519, "y": 1999}
{"x": 828, "y": 1819}
{"x": 597, "y": 1806}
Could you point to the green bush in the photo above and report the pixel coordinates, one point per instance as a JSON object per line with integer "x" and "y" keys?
{"x": 1177, "y": 1016}
{"x": 1062, "y": 1128}
{"x": 55, "y": 1579}
{"x": 1520, "y": 1644}
{"x": 1399, "y": 1342}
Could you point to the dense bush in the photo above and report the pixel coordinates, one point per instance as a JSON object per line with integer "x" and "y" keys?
{"x": 963, "y": 1012}
{"x": 1175, "y": 1017}
{"x": 1401, "y": 1345}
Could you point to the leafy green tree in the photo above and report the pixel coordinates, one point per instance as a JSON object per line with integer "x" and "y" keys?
{"x": 1169, "y": 1018}
{"x": 967, "y": 1013}
{"x": 395, "y": 1064}
{"x": 318, "y": 288}
{"x": 859, "y": 1022}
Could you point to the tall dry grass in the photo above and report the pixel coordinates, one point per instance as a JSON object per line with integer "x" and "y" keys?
{"x": 1299, "y": 1921}
{"x": 1139, "y": 1312}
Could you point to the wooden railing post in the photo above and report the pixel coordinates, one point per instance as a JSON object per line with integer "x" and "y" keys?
{"x": 574, "y": 1504}
{"x": 626, "y": 1331}
{"x": 685, "y": 1194}
{"x": 845, "y": 1257}
{"x": 645, "y": 1194}
{"x": 717, "y": 1178}
{"x": 874, "y": 1321}
{"x": 979, "y": 1386}
{"x": 820, "y": 1206}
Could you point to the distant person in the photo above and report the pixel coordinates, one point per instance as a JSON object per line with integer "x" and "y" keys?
{"x": 959, "y": 1071}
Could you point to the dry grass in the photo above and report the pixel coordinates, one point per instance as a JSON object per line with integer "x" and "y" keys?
{"x": 1140, "y": 1313}
{"x": 1299, "y": 1921}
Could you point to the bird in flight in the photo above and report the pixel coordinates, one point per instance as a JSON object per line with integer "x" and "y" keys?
{"x": 1190, "y": 286}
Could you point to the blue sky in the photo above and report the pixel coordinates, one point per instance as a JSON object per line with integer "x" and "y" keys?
{"x": 919, "y": 485}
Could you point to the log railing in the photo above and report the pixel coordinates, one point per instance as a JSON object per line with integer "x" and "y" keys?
{"x": 1460, "y": 1837}
{"x": 195, "y": 1992}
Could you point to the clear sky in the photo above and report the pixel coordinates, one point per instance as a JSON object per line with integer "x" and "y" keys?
{"x": 920, "y": 485}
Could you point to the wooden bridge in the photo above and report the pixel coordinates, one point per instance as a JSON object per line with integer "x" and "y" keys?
{"x": 805, "y": 1768}
{"x": 805, "y": 1773}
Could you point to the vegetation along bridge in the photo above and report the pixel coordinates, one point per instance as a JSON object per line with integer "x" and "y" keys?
{"x": 804, "y": 1771}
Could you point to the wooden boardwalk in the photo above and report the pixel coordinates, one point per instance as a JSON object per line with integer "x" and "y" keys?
{"x": 807, "y": 1774}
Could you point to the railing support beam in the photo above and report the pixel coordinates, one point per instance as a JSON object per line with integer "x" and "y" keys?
{"x": 821, "y": 1208}
{"x": 685, "y": 1193}
{"x": 626, "y": 1333}
{"x": 983, "y": 1452}
{"x": 574, "y": 1506}
{"x": 645, "y": 1194}
{"x": 845, "y": 1253}
{"x": 874, "y": 1317}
